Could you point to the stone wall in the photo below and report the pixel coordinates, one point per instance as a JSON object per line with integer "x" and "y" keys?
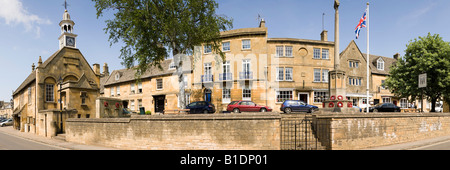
{"x": 360, "y": 131}
{"x": 246, "y": 131}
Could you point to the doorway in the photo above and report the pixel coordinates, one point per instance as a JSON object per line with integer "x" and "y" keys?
{"x": 303, "y": 96}
{"x": 159, "y": 103}
{"x": 208, "y": 95}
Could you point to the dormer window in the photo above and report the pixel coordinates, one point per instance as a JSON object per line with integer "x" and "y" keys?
{"x": 172, "y": 66}
{"x": 380, "y": 64}
{"x": 117, "y": 77}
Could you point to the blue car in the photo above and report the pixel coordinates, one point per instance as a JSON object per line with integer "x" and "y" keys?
{"x": 290, "y": 106}
{"x": 201, "y": 107}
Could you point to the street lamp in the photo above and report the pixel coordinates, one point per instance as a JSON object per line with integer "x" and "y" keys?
{"x": 60, "y": 104}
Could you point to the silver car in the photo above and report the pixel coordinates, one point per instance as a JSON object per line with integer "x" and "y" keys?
{"x": 8, "y": 122}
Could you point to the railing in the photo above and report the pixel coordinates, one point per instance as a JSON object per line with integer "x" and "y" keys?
{"x": 207, "y": 78}
{"x": 225, "y": 76}
{"x": 245, "y": 75}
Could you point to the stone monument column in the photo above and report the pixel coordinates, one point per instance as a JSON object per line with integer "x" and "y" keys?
{"x": 337, "y": 101}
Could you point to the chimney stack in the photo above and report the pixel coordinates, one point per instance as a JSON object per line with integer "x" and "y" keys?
{"x": 97, "y": 69}
{"x": 32, "y": 67}
{"x": 105, "y": 70}
{"x": 396, "y": 56}
{"x": 324, "y": 35}
{"x": 262, "y": 23}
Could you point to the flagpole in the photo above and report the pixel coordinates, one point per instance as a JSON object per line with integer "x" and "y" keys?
{"x": 368, "y": 60}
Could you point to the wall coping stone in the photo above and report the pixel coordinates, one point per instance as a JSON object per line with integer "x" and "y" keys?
{"x": 378, "y": 115}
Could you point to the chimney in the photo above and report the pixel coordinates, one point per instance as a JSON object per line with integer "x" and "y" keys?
{"x": 324, "y": 35}
{"x": 262, "y": 23}
{"x": 32, "y": 67}
{"x": 105, "y": 70}
{"x": 396, "y": 56}
{"x": 97, "y": 69}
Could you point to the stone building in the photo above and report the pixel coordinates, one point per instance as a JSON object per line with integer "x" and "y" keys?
{"x": 63, "y": 86}
{"x": 354, "y": 63}
{"x": 264, "y": 70}
{"x": 156, "y": 90}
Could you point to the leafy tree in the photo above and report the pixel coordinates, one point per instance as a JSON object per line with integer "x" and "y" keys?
{"x": 150, "y": 29}
{"x": 431, "y": 55}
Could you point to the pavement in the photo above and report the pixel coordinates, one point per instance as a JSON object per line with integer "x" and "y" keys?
{"x": 416, "y": 145}
{"x": 64, "y": 145}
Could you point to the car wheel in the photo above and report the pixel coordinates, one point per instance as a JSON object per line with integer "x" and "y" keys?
{"x": 236, "y": 110}
{"x": 287, "y": 110}
{"x": 375, "y": 110}
{"x": 263, "y": 110}
{"x": 311, "y": 110}
{"x": 205, "y": 111}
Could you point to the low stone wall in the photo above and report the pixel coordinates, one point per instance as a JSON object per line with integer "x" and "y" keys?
{"x": 246, "y": 131}
{"x": 360, "y": 131}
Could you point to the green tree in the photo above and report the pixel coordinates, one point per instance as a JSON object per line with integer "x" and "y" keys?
{"x": 430, "y": 55}
{"x": 151, "y": 29}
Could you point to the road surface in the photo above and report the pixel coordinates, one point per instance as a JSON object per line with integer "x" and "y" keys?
{"x": 8, "y": 142}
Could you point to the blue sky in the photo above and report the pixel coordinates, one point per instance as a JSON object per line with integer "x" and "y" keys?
{"x": 29, "y": 28}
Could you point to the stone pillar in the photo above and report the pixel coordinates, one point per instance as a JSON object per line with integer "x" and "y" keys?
{"x": 336, "y": 78}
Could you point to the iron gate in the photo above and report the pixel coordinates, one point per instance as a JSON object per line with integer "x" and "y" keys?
{"x": 302, "y": 134}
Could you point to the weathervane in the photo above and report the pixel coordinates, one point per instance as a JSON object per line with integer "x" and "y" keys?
{"x": 65, "y": 4}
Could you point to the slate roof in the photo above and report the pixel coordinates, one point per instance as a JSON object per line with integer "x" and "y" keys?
{"x": 127, "y": 75}
{"x": 388, "y": 62}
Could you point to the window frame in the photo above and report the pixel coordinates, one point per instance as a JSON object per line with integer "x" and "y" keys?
{"x": 246, "y": 46}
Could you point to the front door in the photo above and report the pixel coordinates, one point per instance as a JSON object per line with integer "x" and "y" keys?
{"x": 303, "y": 97}
{"x": 159, "y": 103}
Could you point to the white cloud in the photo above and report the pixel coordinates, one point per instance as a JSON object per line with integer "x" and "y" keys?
{"x": 13, "y": 12}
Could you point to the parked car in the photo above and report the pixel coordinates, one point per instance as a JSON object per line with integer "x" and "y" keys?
{"x": 8, "y": 122}
{"x": 246, "y": 106}
{"x": 290, "y": 106}
{"x": 384, "y": 107}
{"x": 356, "y": 107}
{"x": 201, "y": 107}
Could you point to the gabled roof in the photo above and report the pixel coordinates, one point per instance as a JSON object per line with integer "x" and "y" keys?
{"x": 388, "y": 62}
{"x": 127, "y": 75}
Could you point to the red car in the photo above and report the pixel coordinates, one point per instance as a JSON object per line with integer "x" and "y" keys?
{"x": 246, "y": 106}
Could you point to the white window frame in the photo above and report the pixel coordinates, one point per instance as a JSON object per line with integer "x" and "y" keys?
{"x": 172, "y": 66}
{"x": 246, "y": 44}
{"x": 246, "y": 66}
{"x": 247, "y": 94}
{"x": 132, "y": 89}
{"x": 132, "y": 105}
{"x": 207, "y": 49}
{"x": 140, "y": 87}
{"x": 325, "y": 53}
{"x": 159, "y": 84}
{"x": 112, "y": 91}
{"x": 207, "y": 68}
{"x": 403, "y": 103}
{"x": 320, "y": 96}
{"x": 316, "y": 53}
{"x": 289, "y": 74}
{"x": 380, "y": 64}
{"x": 118, "y": 90}
{"x": 283, "y": 95}
{"x": 279, "y": 51}
{"x": 226, "y": 95}
{"x": 316, "y": 75}
{"x": 226, "y": 47}
{"x": 280, "y": 74}
{"x": 387, "y": 100}
{"x": 325, "y": 75}
{"x": 288, "y": 51}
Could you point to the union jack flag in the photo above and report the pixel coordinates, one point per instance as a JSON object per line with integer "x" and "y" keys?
{"x": 361, "y": 24}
